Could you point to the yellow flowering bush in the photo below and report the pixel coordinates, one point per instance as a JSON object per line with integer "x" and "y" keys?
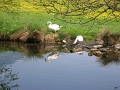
{"x": 29, "y": 7}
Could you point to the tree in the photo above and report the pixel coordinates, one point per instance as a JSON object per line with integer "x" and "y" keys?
{"x": 74, "y": 11}
{"x": 8, "y": 5}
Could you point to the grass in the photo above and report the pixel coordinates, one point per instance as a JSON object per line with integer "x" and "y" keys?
{"x": 34, "y": 18}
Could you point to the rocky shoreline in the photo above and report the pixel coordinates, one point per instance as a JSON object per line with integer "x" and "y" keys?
{"x": 94, "y": 48}
{"x": 107, "y": 53}
{"x": 97, "y": 48}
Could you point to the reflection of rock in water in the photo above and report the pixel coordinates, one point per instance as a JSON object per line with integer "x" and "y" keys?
{"x": 12, "y": 51}
{"x": 29, "y": 49}
{"x": 115, "y": 88}
{"x": 106, "y": 55}
{"x": 6, "y": 79}
{"x": 52, "y": 56}
{"x": 110, "y": 57}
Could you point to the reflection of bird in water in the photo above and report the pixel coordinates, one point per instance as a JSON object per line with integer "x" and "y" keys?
{"x": 78, "y": 38}
{"x": 53, "y": 27}
{"x": 80, "y": 53}
{"x": 52, "y": 56}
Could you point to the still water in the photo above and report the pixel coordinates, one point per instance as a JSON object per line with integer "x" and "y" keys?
{"x": 68, "y": 71}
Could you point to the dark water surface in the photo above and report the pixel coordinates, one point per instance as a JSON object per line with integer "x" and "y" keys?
{"x": 70, "y": 71}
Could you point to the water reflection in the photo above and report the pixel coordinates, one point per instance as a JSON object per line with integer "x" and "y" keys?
{"x": 28, "y": 49}
{"x": 6, "y": 78}
{"x": 52, "y": 56}
{"x": 69, "y": 71}
{"x": 80, "y": 52}
{"x": 110, "y": 57}
{"x": 116, "y": 88}
{"x": 36, "y": 51}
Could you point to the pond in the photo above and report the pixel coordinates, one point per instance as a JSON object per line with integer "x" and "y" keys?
{"x": 32, "y": 67}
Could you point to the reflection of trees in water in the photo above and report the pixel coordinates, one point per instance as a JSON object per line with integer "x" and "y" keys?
{"x": 6, "y": 78}
{"x": 110, "y": 57}
{"x": 30, "y": 49}
{"x": 36, "y": 51}
{"x": 31, "y": 58}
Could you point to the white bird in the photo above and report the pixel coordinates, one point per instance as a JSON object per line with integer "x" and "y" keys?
{"x": 53, "y": 27}
{"x": 78, "y": 38}
{"x": 52, "y": 56}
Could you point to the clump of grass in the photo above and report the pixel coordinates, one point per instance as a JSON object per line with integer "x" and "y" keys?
{"x": 28, "y": 36}
{"x": 108, "y": 37}
{"x": 64, "y": 35}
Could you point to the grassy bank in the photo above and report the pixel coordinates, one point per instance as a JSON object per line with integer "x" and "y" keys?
{"x": 33, "y": 18}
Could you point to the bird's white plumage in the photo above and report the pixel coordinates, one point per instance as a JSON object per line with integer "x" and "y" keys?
{"x": 53, "y": 27}
{"x": 78, "y": 38}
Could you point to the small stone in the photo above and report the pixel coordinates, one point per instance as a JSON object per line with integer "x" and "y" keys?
{"x": 94, "y": 49}
{"x": 97, "y": 53}
{"x": 104, "y": 49}
{"x": 97, "y": 46}
{"x": 117, "y": 46}
{"x": 90, "y": 53}
{"x": 64, "y": 41}
{"x": 77, "y": 49}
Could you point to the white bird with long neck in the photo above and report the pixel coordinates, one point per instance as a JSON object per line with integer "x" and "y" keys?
{"x": 53, "y": 27}
{"x": 78, "y": 38}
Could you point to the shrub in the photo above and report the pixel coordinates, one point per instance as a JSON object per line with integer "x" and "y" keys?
{"x": 108, "y": 37}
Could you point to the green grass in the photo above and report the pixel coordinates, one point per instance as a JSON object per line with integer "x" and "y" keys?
{"x": 11, "y": 23}
{"x": 32, "y": 17}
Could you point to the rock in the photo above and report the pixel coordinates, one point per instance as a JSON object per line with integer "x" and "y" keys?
{"x": 117, "y": 46}
{"x": 50, "y": 38}
{"x": 86, "y": 49}
{"x": 24, "y": 36}
{"x": 97, "y": 53}
{"x": 90, "y": 53}
{"x": 64, "y": 41}
{"x": 104, "y": 49}
{"x": 59, "y": 43}
{"x": 94, "y": 49}
{"x": 65, "y": 50}
{"x": 97, "y": 46}
{"x": 77, "y": 49}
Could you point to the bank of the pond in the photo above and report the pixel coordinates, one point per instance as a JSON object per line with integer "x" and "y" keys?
{"x": 35, "y": 36}
{"x": 14, "y": 22}
{"x": 109, "y": 53}
{"x": 104, "y": 37}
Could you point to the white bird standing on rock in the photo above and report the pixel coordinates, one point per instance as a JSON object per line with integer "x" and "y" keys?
{"x": 78, "y": 38}
{"x": 53, "y": 27}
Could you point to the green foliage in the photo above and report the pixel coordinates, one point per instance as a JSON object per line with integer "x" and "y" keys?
{"x": 33, "y": 18}
{"x": 9, "y": 6}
